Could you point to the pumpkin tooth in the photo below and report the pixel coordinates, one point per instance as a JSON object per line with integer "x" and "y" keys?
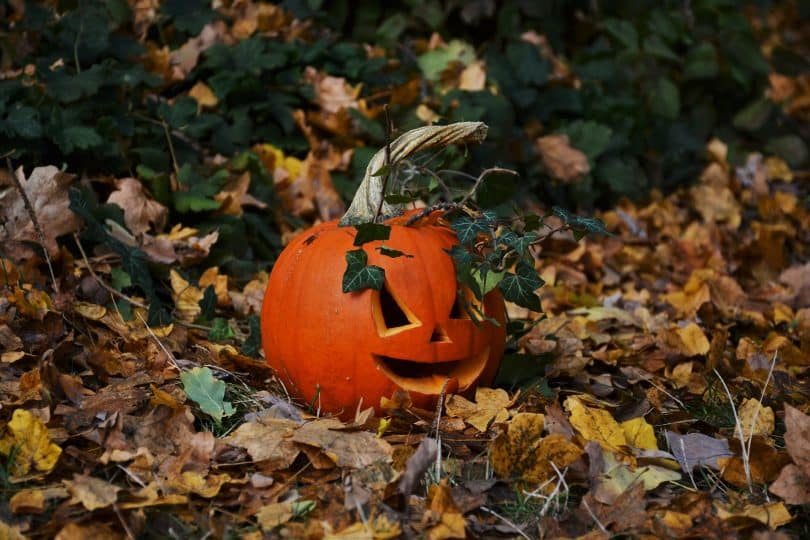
{"x": 428, "y": 378}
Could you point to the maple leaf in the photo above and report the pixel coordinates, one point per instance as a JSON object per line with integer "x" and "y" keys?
{"x": 28, "y": 445}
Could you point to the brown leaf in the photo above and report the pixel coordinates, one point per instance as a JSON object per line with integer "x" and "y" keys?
{"x": 561, "y": 160}
{"x": 797, "y": 437}
{"x": 140, "y": 212}
{"x": 47, "y": 191}
{"x": 267, "y": 440}
{"x": 355, "y": 450}
{"x": 91, "y": 492}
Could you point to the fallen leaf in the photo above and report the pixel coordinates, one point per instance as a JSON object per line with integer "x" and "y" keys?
{"x": 561, "y": 160}
{"x": 522, "y": 451}
{"x": 272, "y": 515}
{"x": 489, "y": 407}
{"x": 352, "y": 449}
{"x": 204, "y": 96}
{"x": 47, "y": 191}
{"x": 28, "y": 445}
{"x": 595, "y": 424}
{"x": 755, "y": 418}
{"x": 696, "y": 449}
{"x": 203, "y": 388}
{"x": 417, "y": 465}
{"x": 267, "y": 441}
{"x": 618, "y": 477}
{"x": 186, "y": 297}
{"x": 639, "y": 434}
{"x": 93, "y": 493}
{"x": 693, "y": 340}
{"x": 140, "y": 212}
{"x": 774, "y": 514}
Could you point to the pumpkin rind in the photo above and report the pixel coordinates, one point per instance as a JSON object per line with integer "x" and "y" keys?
{"x": 332, "y": 348}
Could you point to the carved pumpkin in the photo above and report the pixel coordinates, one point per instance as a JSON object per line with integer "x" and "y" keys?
{"x": 334, "y": 348}
{"x": 413, "y": 334}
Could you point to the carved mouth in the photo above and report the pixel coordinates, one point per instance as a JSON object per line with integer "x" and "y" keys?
{"x": 428, "y": 378}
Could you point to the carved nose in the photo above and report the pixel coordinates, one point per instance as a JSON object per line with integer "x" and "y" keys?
{"x": 440, "y": 335}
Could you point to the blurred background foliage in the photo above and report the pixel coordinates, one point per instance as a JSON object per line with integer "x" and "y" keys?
{"x": 177, "y": 93}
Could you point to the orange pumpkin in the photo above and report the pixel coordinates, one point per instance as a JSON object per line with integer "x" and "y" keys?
{"x": 413, "y": 334}
{"x": 334, "y": 348}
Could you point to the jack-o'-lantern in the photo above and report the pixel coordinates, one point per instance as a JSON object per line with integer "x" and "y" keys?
{"x": 333, "y": 348}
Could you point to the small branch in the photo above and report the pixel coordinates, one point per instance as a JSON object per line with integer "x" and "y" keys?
{"x": 101, "y": 282}
{"x": 426, "y": 211}
{"x": 171, "y": 145}
{"x": 30, "y": 209}
{"x": 387, "y": 176}
{"x": 484, "y": 174}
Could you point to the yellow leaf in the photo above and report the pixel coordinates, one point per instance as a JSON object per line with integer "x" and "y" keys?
{"x": 186, "y": 297}
{"x": 220, "y": 283}
{"x": 773, "y": 514}
{"x": 10, "y": 532}
{"x": 94, "y": 312}
{"x": 193, "y": 482}
{"x": 203, "y": 95}
{"x": 27, "y": 444}
{"x": 676, "y": 520}
{"x": 272, "y": 515}
{"x": 29, "y": 501}
{"x": 452, "y": 525}
{"x": 639, "y": 434}
{"x": 595, "y": 424}
{"x": 756, "y": 419}
{"x": 693, "y": 339}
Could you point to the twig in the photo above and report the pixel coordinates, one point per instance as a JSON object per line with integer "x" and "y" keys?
{"x": 756, "y": 413}
{"x": 484, "y": 174}
{"x": 101, "y": 282}
{"x": 168, "y": 353}
{"x": 740, "y": 434}
{"x": 127, "y": 530}
{"x": 30, "y": 209}
{"x": 388, "y": 130}
{"x": 171, "y": 145}
{"x": 426, "y": 211}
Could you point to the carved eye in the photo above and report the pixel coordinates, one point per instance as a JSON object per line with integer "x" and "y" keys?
{"x": 390, "y": 315}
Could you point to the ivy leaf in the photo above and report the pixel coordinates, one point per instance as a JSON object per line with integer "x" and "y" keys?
{"x": 581, "y": 224}
{"x": 254, "y": 341}
{"x": 519, "y": 287}
{"x": 487, "y": 279}
{"x": 358, "y": 275}
{"x": 461, "y": 256}
{"x": 208, "y": 303}
{"x": 220, "y": 330}
{"x": 517, "y": 242}
{"x": 205, "y": 390}
{"x": 468, "y": 229}
{"x": 368, "y": 232}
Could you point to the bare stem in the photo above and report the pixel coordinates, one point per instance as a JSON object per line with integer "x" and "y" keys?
{"x": 30, "y": 209}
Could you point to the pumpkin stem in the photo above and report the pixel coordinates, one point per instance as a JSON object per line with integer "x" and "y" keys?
{"x": 369, "y": 196}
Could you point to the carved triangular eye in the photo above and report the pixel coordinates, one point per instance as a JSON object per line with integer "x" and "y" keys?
{"x": 391, "y": 312}
{"x": 390, "y": 315}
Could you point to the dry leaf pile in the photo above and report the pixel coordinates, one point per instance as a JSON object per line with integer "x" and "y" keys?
{"x": 674, "y": 400}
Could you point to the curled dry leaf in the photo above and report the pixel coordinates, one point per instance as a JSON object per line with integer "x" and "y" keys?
{"x": 47, "y": 191}
{"x": 140, "y": 212}
{"x": 93, "y": 493}
{"x": 561, "y": 160}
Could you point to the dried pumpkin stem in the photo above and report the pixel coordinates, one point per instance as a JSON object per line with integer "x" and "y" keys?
{"x": 370, "y": 195}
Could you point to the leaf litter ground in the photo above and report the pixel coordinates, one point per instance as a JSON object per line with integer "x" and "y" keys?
{"x": 673, "y": 399}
